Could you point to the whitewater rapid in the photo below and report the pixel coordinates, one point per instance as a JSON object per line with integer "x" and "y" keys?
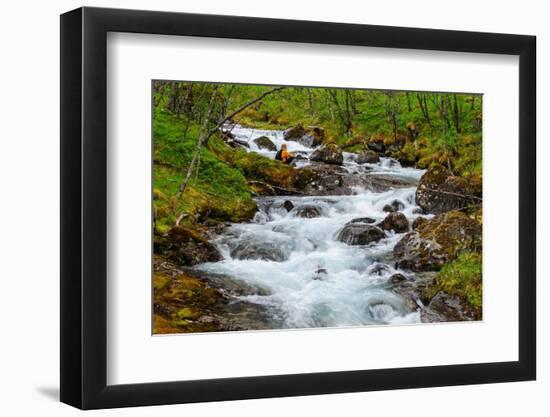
{"x": 318, "y": 281}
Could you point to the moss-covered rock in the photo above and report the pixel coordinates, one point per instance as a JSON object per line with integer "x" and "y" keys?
{"x": 462, "y": 278}
{"x": 395, "y": 221}
{"x": 263, "y": 142}
{"x": 437, "y": 241}
{"x": 308, "y": 136}
{"x": 438, "y": 191}
{"x": 187, "y": 301}
{"x": 329, "y": 153}
{"x": 186, "y": 247}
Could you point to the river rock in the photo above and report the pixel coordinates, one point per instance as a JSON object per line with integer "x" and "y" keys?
{"x": 308, "y": 211}
{"x": 413, "y": 290}
{"x": 397, "y": 278}
{"x": 395, "y": 205}
{"x": 263, "y": 142}
{"x": 438, "y": 191}
{"x": 444, "y": 308}
{"x": 329, "y": 154}
{"x": 367, "y": 220}
{"x": 395, "y": 221}
{"x": 310, "y": 136}
{"x": 186, "y": 247}
{"x": 267, "y": 251}
{"x": 288, "y": 205}
{"x": 436, "y": 241}
{"x": 368, "y": 157}
{"x": 376, "y": 144}
{"x": 379, "y": 269}
{"x": 360, "y": 234}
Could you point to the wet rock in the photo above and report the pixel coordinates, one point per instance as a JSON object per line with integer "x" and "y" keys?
{"x": 413, "y": 291}
{"x": 186, "y": 247}
{"x": 263, "y": 142}
{"x": 255, "y": 250}
{"x": 397, "y": 278}
{"x": 329, "y": 154}
{"x": 444, "y": 308}
{"x": 288, "y": 205}
{"x": 376, "y": 144}
{"x": 360, "y": 234}
{"x": 395, "y": 221}
{"x": 310, "y": 136}
{"x": 395, "y": 205}
{"x": 367, "y": 220}
{"x": 378, "y": 269}
{"x": 308, "y": 211}
{"x": 438, "y": 191}
{"x": 320, "y": 274}
{"x": 368, "y": 157}
{"x": 438, "y": 240}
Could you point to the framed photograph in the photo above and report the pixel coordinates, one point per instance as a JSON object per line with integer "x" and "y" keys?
{"x": 257, "y": 208}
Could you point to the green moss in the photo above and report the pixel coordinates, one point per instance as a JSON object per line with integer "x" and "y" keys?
{"x": 216, "y": 190}
{"x": 187, "y": 313}
{"x": 462, "y": 277}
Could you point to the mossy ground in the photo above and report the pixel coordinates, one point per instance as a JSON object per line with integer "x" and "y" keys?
{"x": 462, "y": 277}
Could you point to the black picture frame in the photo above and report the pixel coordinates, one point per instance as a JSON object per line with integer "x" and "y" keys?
{"x": 84, "y": 207}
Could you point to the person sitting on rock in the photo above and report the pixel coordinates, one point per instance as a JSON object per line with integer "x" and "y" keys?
{"x": 284, "y": 155}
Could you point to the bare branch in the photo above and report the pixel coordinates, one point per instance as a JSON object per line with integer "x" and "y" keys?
{"x": 240, "y": 109}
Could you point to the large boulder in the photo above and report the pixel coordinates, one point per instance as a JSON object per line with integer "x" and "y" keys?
{"x": 395, "y": 221}
{"x": 329, "y": 154}
{"x": 263, "y": 142}
{"x": 186, "y": 247}
{"x": 438, "y": 191}
{"x": 368, "y": 157}
{"x": 360, "y": 234}
{"x": 308, "y": 136}
{"x": 438, "y": 240}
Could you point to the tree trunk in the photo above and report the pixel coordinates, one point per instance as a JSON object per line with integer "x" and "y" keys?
{"x": 202, "y": 139}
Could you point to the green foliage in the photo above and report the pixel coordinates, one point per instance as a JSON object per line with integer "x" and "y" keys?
{"x": 462, "y": 277}
{"x": 216, "y": 190}
{"x": 436, "y": 128}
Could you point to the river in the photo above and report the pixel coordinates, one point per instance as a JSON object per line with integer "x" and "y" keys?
{"x": 308, "y": 278}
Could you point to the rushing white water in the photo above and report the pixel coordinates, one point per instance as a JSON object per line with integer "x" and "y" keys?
{"x": 316, "y": 280}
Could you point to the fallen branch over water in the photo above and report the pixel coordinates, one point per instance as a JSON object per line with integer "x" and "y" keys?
{"x": 465, "y": 196}
{"x": 275, "y": 188}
